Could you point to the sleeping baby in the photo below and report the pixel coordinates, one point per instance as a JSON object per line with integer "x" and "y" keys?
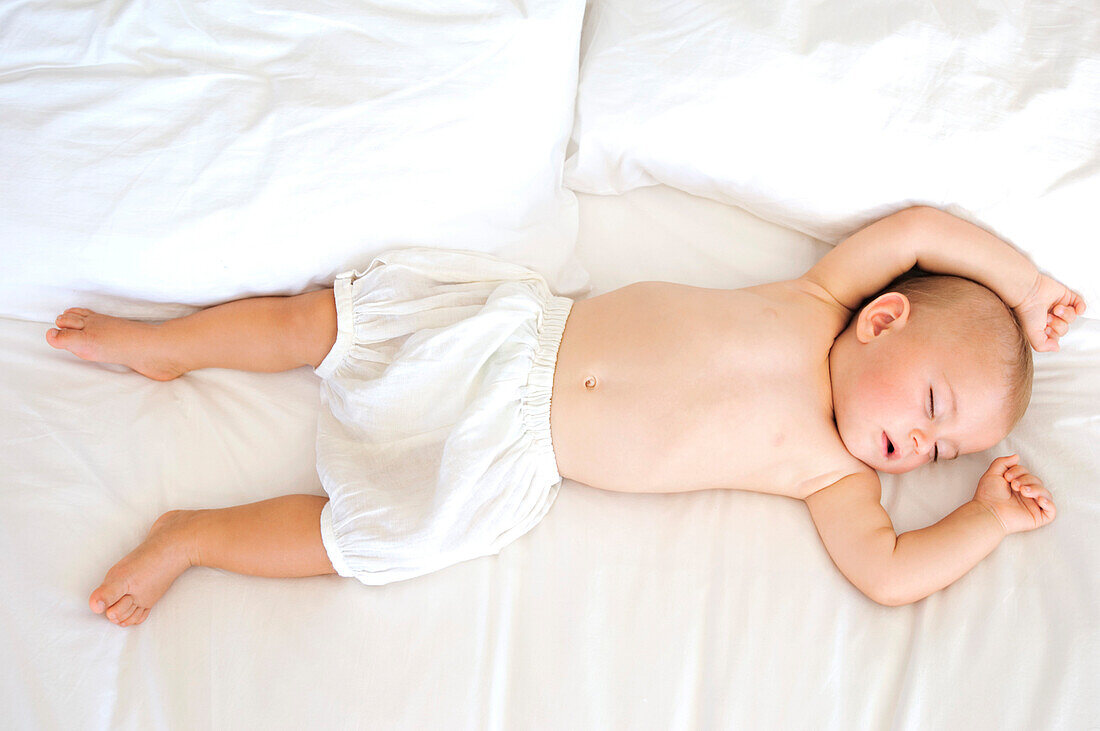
{"x": 459, "y": 391}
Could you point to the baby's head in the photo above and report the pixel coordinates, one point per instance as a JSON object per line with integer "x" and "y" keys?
{"x": 924, "y": 344}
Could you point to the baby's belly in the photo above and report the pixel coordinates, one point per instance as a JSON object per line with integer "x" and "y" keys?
{"x": 615, "y": 433}
{"x": 642, "y": 404}
{"x": 619, "y": 426}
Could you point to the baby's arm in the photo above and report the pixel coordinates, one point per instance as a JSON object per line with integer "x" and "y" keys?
{"x": 935, "y": 241}
{"x": 896, "y": 569}
{"x": 938, "y": 242}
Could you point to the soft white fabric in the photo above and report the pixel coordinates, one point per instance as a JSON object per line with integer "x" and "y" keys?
{"x": 703, "y": 610}
{"x": 708, "y": 610}
{"x": 823, "y": 117}
{"x": 434, "y": 444}
{"x": 164, "y": 154}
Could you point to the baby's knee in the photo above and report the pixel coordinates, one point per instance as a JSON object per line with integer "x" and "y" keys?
{"x": 313, "y": 321}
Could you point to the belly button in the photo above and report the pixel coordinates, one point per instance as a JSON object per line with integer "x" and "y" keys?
{"x": 590, "y": 382}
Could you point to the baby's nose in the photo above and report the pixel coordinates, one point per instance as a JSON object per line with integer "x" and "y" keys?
{"x": 922, "y": 443}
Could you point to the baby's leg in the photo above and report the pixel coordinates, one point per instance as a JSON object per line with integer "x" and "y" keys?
{"x": 259, "y": 334}
{"x": 280, "y": 537}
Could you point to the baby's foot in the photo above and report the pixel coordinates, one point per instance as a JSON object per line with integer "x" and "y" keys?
{"x": 134, "y": 584}
{"x": 106, "y": 339}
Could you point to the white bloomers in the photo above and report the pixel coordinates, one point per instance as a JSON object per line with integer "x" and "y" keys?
{"x": 435, "y": 444}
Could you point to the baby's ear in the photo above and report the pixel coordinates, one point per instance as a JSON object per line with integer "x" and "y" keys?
{"x": 883, "y": 315}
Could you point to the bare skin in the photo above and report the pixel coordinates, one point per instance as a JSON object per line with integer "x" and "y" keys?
{"x": 698, "y": 380}
{"x": 278, "y": 537}
{"x": 104, "y": 339}
{"x": 663, "y": 387}
{"x": 134, "y": 584}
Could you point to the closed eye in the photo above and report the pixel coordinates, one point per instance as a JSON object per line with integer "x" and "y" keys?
{"x": 932, "y": 415}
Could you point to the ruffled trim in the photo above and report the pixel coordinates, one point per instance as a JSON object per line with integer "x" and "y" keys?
{"x": 540, "y": 380}
{"x": 345, "y": 336}
{"x": 328, "y": 538}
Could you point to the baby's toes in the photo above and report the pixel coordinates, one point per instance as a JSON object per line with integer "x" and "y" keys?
{"x": 66, "y": 339}
{"x": 127, "y": 615}
{"x": 70, "y": 320}
{"x": 79, "y": 311}
{"x": 121, "y": 609}
{"x": 106, "y": 595}
{"x": 139, "y": 615}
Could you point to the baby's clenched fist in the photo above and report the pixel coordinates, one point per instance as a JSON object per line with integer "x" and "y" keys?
{"x": 1015, "y": 496}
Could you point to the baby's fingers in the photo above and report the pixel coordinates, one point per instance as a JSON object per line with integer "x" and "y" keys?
{"x": 1040, "y": 498}
{"x": 1046, "y": 507}
{"x": 1016, "y": 474}
{"x": 1045, "y": 341}
{"x": 1065, "y": 312}
{"x": 1074, "y": 302}
{"x": 1056, "y": 327}
{"x": 1001, "y": 465}
{"x": 1029, "y": 486}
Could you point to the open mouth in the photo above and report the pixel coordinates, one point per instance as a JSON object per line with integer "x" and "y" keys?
{"x": 888, "y": 447}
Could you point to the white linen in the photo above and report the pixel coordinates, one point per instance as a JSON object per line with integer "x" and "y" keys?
{"x": 824, "y": 117}
{"x": 157, "y": 155}
{"x": 700, "y": 610}
{"x": 162, "y": 156}
{"x": 433, "y": 442}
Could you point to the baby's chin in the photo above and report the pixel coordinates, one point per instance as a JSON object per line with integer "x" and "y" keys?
{"x": 892, "y": 468}
{"x": 881, "y": 465}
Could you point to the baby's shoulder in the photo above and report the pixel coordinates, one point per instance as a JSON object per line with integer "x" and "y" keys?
{"x": 806, "y": 304}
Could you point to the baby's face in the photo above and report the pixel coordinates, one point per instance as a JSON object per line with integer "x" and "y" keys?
{"x": 905, "y": 400}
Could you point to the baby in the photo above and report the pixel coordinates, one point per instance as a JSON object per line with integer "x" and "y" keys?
{"x": 459, "y": 391}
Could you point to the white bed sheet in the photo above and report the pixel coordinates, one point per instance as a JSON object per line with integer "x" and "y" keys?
{"x": 703, "y": 610}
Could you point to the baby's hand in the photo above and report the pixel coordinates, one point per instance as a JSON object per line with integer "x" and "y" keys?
{"x": 1047, "y": 311}
{"x": 1015, "y": 496}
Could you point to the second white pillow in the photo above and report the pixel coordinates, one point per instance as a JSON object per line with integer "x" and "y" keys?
{"x": 824, "y": 121}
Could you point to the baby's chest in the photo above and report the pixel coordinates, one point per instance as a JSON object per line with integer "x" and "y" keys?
{"x": 666, "y": 395}
{"x": 767, "y": 428}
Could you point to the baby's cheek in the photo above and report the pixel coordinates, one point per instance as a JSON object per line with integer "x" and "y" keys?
{"x": 878, "y": 398}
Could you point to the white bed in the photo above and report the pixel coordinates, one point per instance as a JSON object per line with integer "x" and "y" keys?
{"x": 617, "y": 611}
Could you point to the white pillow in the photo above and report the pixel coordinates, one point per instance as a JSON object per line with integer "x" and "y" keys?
{"x": 823, "y": 118}
{"x": 195, "y": 153}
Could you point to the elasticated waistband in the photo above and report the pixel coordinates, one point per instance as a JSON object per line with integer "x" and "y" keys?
{"x": 540, "y": 381}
